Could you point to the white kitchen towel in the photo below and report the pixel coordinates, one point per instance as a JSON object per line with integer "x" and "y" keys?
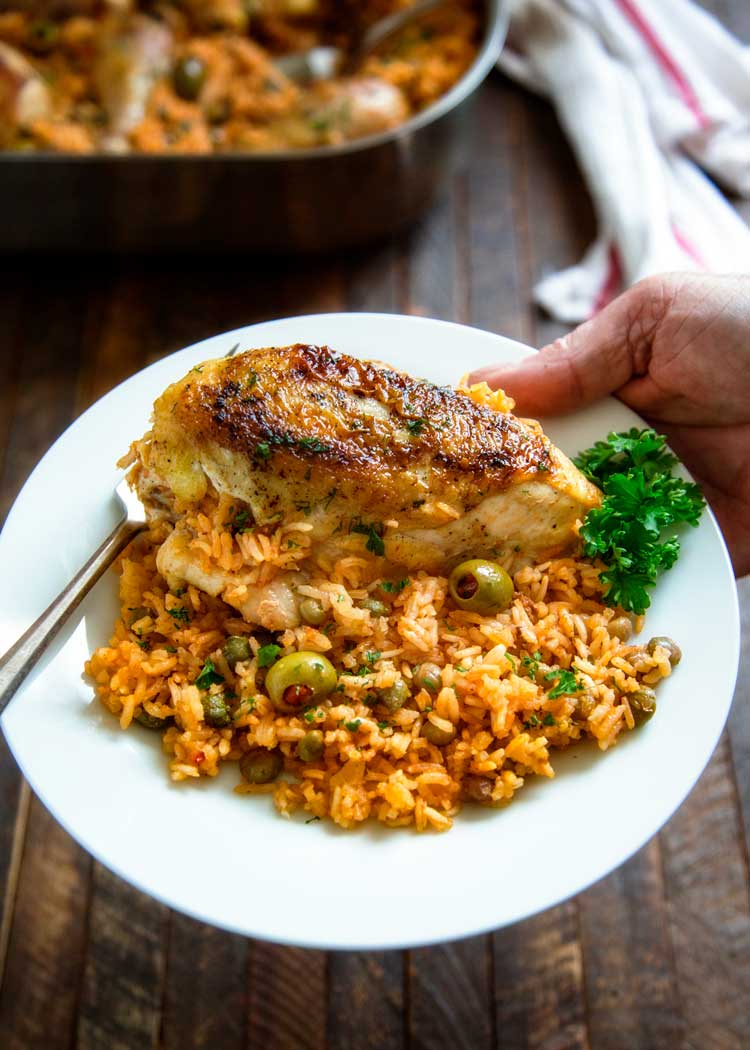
{"x": 651, "y": 94}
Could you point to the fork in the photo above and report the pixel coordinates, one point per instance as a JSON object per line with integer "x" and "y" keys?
{"x": 323, "y": 62}
{"x": 31, "y": 646}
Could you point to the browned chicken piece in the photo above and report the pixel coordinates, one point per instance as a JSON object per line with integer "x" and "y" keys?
{"x": 133, "y": 52}
{"x": 427, "y": 475}
{"x": 24, "y": 96}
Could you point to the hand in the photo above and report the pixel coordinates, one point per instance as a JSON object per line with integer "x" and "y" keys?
{"x": 675, "y": 349}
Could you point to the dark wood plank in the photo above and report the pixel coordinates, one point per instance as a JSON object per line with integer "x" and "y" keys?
{"x": 123, "y": 982}
{"x": 538, "y": 980}
{"x": 288, "y": 990}
{"x": 628, "y": 958}
{"x": 437, "y": 273}
{"x": 44, "y": 921}
{"x": 205, "y": 988}
{"x": 450, "y": 996}
{"x": 497, "y": 256}
{"x": 366, "y": 1003}
{"x": 707, "y": 887}
{"x": 739, "y": 717}
{"x": 47, "y": 939}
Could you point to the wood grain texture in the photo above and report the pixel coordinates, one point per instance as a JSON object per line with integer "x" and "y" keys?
{"x": 538, "y": 977}
{"x": 366, "y": 1003}
{"x": 205, "y": 988}
{"x": 287, "y": 998}
{"x": 450, "y": 996}
{"x": 122, "y": 991}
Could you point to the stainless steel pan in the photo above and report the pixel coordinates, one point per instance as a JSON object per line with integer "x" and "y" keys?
{"x": 292, "y": 201}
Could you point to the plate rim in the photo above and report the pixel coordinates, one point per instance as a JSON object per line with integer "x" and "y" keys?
{"x": 388, "y": 943}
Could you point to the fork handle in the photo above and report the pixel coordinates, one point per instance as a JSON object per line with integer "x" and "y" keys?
{"x": 31, "y": 646}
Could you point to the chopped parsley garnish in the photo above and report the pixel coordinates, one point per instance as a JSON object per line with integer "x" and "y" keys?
{"x": 373, "y": 656}
{"x": 239, "y": 522}
{"x": 531, "y": 663}
{"x": 251, "y": 380}
{"x": 353, "y": 726}
{"x": 374, "y": 533}
{"x": 170, "y": 649}
{"x": 262, "y": 450}
{"x": 268, "y": 654}
{"x": 641, "y": 499}
{"x": 416, "y": 426}
{"x": 209, "y": 676}
{"x": 198, "y": 369}
{"x": 549, "y": 720}
{"x": 511, "y": 660}
{"x": 566, "y": 684}
{"x": 312, "y": 444}
{"x": 384, "y": 725}
{"x": 144, "y": 645}
{"x": 532, "y": 721}
{"x": 312, "y": 820}
{"x": 180, "y": 614}
{"x": 395, "y": 588}
{"x": 304, "y": 506}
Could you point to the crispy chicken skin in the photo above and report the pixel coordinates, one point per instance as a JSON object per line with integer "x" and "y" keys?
{"x": 303, "y": 431}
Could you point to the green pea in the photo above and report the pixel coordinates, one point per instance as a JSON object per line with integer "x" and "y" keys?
{"x": 429, "y": 676}
{"x": 189, "y": 77}
{"x": 236, "y": 650}
{"x": 436, "y": 735}
{"x": 143, "y": 718}
{"x": 395, "y": 696}
{"x": 310, "y": 747}
{"x": 42, "y": 37}
{"x": 216, "y": 712}
{"x": 376, "y": 607}
{"x": 312, "y": 612}
{"x": 642, "y": 704}
{"x": 481, "y": 586}
{"x": 299, "y": 679}
{"x": 261, "y": 766}
{"x": 673, "y": 650}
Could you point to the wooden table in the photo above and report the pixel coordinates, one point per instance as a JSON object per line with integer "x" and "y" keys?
{"x": 657, "y": 955}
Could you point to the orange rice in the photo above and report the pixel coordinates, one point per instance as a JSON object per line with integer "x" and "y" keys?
{"x": 493, "y": 695}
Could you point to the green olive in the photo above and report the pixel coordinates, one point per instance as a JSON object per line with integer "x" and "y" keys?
{"x": 436, "y": 735}
{"x": 673, "y": 650}
{"x": 261, "y": 766}
{"x": 188, "y": 77}
{"x": 216, "y": 712}
{"x": 310, "y": 747}
{"x": 481, "y": 586}
{"x": 642, "y": 704}
{"x": 429, "y": 676}
{"x": 395, "y": 696}
{"x": 300, "y": 679}
{"x": 143, "y": 718}
{"x": 236, "y": 650}
{"x": 621, "y": 628}
{"x": 376, "y": 607}
{"x": 312, "y": 612}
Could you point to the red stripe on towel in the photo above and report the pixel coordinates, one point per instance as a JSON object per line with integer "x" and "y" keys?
{"x": 611, "y": 284}
{"x": 665, "y": 60}
{"x": 688, "y": 247}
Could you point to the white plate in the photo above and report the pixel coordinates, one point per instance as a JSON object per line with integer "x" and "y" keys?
{"x": 232, "y": 861}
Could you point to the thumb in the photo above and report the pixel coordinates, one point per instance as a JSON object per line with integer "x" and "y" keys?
{"x": 592, "y": 361}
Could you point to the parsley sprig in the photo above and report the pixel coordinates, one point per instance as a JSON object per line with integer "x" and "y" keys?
{"x": 642, "y": 499}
